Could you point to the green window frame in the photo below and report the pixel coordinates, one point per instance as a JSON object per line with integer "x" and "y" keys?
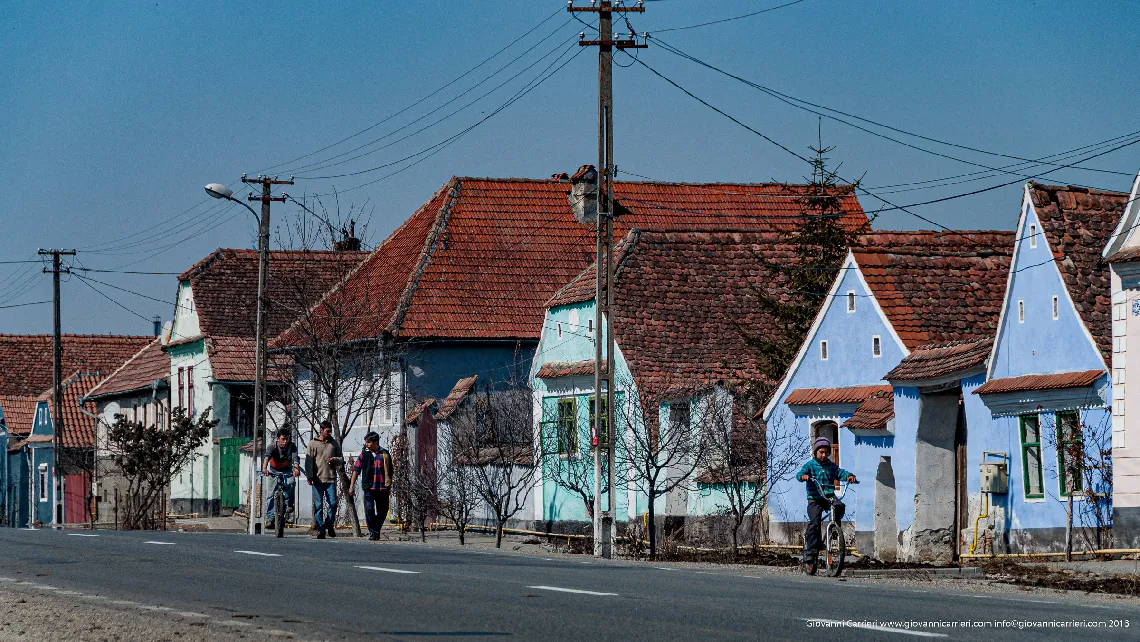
{"x": 567, "y": 426}
{"x": 1070, "y": 448}
{"x": 1033, "y": 482}
{"x": 603, "y": 432}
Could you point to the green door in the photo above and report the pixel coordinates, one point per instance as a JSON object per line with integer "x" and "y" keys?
{"x": 231, "y": 471}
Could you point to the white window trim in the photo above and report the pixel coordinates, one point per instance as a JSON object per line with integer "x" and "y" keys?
{"x": 1020, "y": 311}
{"x": 877, "y": 340}
{"x": 823, "y": 350}
{"x": 43, "y": 482}
{"x": 1032, "y": 236}
{"x": 850, "y": 301}
{"x": 1056, "y": 307}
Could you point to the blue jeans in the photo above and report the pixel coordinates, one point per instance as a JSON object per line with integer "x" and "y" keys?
{"x": 290, "y": 494}
{"x": 324, "y": 493}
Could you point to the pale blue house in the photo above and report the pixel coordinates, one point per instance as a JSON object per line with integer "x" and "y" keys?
{"x": 1047, "y": 383}
{"x": 899, "y": 297}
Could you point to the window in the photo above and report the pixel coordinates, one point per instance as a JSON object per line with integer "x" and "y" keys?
{"x": 823, "y": 350}
{"x": 1031, "y": 456}
{"x": 1056, "y": 309}
{"x": 681, "y": 417}
{"x": 388, "y": 401}
{"x": 190, "y": 391}
{"x": 599, "y": 432}
{"x": 559, "y": 329}
{"x": 135, "y": 412}
{"x": 590, "y": 326}
{"x": 567, "y": 426}
{"x": 1032, "y": 236}
{"x": 876, "y": 347}
{"x": 1070, "y": 451}
{"x": 42, "y": 483}
{"x": 181, "y": 396}
{"x": 851, "y": 301}
{"x": 1021, "y": 311}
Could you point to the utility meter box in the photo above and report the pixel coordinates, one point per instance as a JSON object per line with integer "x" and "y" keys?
{"x": 995, "y": 478}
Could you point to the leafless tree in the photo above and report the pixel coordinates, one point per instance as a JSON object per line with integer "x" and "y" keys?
{"x": 416, "y": 494}
{"x": 745, "y": 459}
{"x": 492, "y": 437}
{"x": 1084, "y": 469}
{"x": 457, "y": 496}
{"x": 149, "y": 457}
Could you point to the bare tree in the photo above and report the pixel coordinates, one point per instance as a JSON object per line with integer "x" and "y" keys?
{"x": 149, "y": 457}
{"x": 1084, "y": 469}
{"x": 745, "y": 459}
{"x": 492, "y": 437}
{"x": 416, "y": 494}
{"x": 457, "y": 489}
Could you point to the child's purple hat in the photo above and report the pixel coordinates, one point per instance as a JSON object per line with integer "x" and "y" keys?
{"x": 822, "y": 442}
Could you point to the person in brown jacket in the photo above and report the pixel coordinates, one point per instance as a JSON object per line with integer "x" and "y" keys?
{"x": 323, "y": 459}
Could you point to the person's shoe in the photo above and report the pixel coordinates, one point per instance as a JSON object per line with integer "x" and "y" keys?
{"x": 373, "y": 537}
{"x": 320, "y": 535}
{"x": 332, "y": 533}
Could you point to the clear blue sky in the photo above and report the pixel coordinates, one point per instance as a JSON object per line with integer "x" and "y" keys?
{"x": 113, "y": 117}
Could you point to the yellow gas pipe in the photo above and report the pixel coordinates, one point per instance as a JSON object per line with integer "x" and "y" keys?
{"x": 981, "y": 515}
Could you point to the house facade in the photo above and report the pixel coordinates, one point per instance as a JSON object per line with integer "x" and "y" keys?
{"x": 898, "y": 296}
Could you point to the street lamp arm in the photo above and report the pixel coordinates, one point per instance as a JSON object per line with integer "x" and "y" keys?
{"x": 246, "y": 206}
{"x": 217, "y": 190}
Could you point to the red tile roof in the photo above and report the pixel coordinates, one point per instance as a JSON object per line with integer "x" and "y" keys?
{"x": 554, "y": 369}
{"x": 1027, "y": 383}
{"x": 941, "y": 360}
{"x": 937, "y": 287}
{"x": 414, "y": 415}
{"x": 1077, "y": 223}
{"x": 26, "y": 359}
{"x": 225, "y": 287}
{"x": 78, "y": 428}
{"x": 234, "y": 359}
{"x": 820, "y": 396}
{"x": 1125, "y": 255}
{"x": 137, "y": 373}
{"x": 480, "y": 258}
{"x": 874, "y": 413}
{"x": 19, "y": 413}
{"x": 455, "y": 397}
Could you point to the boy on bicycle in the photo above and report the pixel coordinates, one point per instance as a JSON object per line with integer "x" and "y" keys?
{"x": 826, "y": 473}
{"x": 281, "y": 458}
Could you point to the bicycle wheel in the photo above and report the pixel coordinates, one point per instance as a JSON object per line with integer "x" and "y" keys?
{"x": 836, "y": 551}
{"x": 279, "y": 512}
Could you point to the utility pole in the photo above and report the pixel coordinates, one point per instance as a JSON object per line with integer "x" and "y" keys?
{"x": 266, "y": 197}
{"x": 56, "y": 382}
{"x": 603, "y": 294}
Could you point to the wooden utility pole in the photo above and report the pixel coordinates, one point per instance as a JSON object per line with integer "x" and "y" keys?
{"x": 266, "y": 197}
{"x": 603, "y": 294}
{"x": 56, "y": 382}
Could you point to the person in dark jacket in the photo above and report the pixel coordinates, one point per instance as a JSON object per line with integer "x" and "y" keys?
{"x": 281, "y": 458}
{"x": 374, "y": 468}
{"x": 826, "y": 473}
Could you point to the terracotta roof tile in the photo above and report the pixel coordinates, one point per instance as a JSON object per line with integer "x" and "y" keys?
{"x": 225, "y": 287}
{"x": 480, "y": 258}
{"x": 874, "y": 413}
{"x": 555, "y": 369}
{"x": 78, "y": 428}
{"x": 1077, "y": 223}
{"x": 26, "y": 359}
{"x": 137, "y": 373}
{"x": 455, "y": 397}
{"x": 820, "y": 396}
{"x": 1027, "y": 383}
{"x": 940, "y": 360}
{"x": 234, "y": 359}
{"x": 414, "y": 415}
{"x": 937, "y": 287}
{"x": 19, "y": 413}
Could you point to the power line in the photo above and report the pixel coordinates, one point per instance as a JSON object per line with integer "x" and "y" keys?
{"x": 20, "y": 305}
{"x": 723, "y": 20}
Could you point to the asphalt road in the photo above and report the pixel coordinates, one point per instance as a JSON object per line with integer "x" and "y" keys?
{"x": 352, "y": 589}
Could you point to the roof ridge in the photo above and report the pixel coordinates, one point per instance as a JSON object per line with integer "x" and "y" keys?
{"x": 6, "y": 335}
{"x": 126, "y": 363}
{"x": 1074, "y": 188}
{"x": 844, "y": 187}
{"x": 431, "y": 242}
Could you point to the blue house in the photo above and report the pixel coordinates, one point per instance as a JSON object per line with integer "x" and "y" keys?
{"x": 1047, "y": 383}
{"x": 684, "y": 310}
{"x": 899, "y": 296}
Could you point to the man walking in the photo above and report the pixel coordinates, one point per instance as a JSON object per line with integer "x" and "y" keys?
{"x": 374, "y": 467}
{"x": 323, "y": 460}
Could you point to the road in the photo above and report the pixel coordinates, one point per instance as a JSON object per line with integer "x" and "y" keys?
{"x": 352, "y": 589}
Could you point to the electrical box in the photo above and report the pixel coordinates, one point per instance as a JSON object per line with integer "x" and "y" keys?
{"x": 995, "y": 478}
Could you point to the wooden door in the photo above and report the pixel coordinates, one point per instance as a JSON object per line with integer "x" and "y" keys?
{"x": 962, "y": 498}
{"x": 231, "y": 471}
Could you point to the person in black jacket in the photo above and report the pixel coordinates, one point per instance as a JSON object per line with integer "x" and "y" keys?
{"x": 374, "y": 468}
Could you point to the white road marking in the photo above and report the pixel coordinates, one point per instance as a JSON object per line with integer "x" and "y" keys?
{"x": 189, "y": 614}
{"x": 258, "y": 553}
{"x": 388, "y": 570}
{"x": 666, "y": 568}
{"x": 872, "y": 627}
{"x": 569, "y": 590}
{"x": 81, "y": 535}
{"x": 160, "y": 543}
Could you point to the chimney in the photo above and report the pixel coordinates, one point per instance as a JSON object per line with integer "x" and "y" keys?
{"x": 157, "y": 321}
{"x": 350, "y": 243}
{"x": 584, "y": 194}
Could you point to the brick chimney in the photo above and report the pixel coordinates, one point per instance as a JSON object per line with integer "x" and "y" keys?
{"x": 349, "y": 243}
{"x": 584, "y": 194}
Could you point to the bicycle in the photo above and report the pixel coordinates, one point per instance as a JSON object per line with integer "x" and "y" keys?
{"x": 280, "y": 502}
{"x": 834, "y": 541}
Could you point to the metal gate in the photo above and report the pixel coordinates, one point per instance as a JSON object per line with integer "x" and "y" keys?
{"x": 231, "y": 471}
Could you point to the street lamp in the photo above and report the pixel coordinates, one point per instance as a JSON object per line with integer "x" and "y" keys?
{"x": 219, "y": 191}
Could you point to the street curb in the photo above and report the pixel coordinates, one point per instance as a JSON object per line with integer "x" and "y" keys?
{"x": 918, "y": 573}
